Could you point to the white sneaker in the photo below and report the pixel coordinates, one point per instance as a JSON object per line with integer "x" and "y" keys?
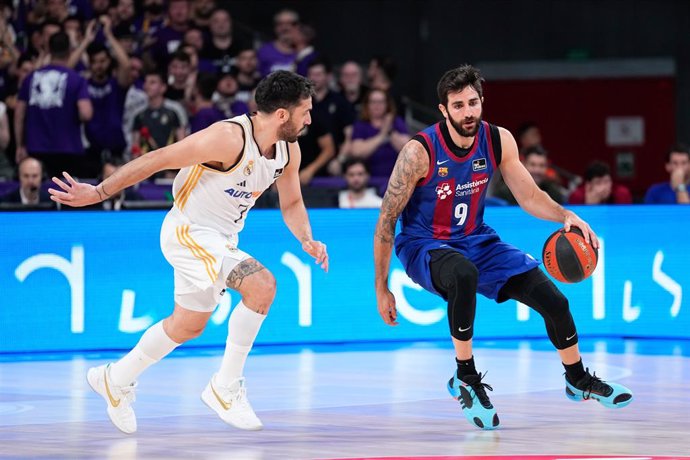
{"x": 231, "y": 404}
{"x": 118, "y": 398}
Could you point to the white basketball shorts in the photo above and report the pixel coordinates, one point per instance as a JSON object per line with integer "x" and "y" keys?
{"x": 202, "y": 259}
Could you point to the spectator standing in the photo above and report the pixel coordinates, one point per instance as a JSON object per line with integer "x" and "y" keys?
{"x": 247, "y": 74}
{"x": 351, "y": 84}
{"x": 157, "y": 125}
{"x": 108, "y": 93}
{"x": 676, "y": 189}
{"x": 303, "y": 38}
{"x": 181, "y": 79}
{"x": 168, "y": 38}
{"x": 317, "y": 147}
{"x": 6, "y": 170}
{"x": 53, "y": 102}
{"x": 280, "y": 53}
{"x": 224, "y": 44}
{"x": 599, "y": 188}
{"x": 330, "y": 104}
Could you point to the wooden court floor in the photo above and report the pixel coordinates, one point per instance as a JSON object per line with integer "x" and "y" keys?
{"x": 354, "y": 401}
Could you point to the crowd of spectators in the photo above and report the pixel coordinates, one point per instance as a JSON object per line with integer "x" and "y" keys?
{"x": 87, "y": 85}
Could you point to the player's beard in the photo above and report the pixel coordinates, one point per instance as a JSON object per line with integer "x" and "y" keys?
{"x": 289, "y": 133}
{"x": 457, "y": 125}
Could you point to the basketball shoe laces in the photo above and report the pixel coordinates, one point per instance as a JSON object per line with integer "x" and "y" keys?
{"x": 479, "y": 387}
{"x": 238, "y": 398}
{"x": 592, "y": 384}
{"x": 127, "y": 392}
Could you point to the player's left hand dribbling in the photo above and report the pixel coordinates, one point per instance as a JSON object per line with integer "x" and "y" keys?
{"x": 573, "y": 220}
{"x": 317, "y": 250}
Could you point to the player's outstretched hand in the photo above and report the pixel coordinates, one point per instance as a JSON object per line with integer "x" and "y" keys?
{"x": 317, "y": 250}
{"x": 73, "y": 193}
{"x": 386, "y": 304}
{"x": 572, "y": 220}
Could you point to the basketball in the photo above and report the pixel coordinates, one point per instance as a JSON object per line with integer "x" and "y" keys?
{"x": 568, "y": 257}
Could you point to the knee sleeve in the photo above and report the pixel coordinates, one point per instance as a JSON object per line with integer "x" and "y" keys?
{"x": 537, "y": 291}
{"x": 455, "y": 277}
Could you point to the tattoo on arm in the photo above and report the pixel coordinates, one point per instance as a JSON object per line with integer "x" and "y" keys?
{"x": 243, "y": 270}
{"x": 411, "y": 166}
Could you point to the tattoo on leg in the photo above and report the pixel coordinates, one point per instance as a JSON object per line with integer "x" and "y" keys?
{"x": 243, "y": 269}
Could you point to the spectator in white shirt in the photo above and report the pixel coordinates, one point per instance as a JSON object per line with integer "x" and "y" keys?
{"x": 357, "y": 194}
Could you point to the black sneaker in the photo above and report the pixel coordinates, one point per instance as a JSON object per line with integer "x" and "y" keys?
{"x": 613, "y": 395}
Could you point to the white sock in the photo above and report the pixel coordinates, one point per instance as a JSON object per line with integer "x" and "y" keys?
{"x": 153, "y": 346}
{"x": 243, "y": 327}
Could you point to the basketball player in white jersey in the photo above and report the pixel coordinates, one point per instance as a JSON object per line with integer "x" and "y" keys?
{"x": 223, "y": 170}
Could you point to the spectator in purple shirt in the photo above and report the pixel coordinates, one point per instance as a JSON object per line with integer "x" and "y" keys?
{"x": 280, "y": 53}
{"x": 168, "y": 38}
{"x": 148, "y": 23}
{"x": 379, "y": 135}
{"x": 108, "y": 93}
{"x": 675, "y": 191}
{"x": 303, "y": 37}
{"x": 53, "y": 103}
{"x": 206, "y": 111}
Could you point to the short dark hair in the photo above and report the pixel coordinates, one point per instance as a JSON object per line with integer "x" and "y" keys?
{"x": 282, "y": 90}
{"x": 597, "y": 169}
{"x": 58, "y": 45}
{"x": 526, "y": 126}
{"x": 534, "y": 150}
{"x": 350, "y": 162}
{"x": 456, "y": 79}
{"x": 387, "y": 65}
{"x": 95, "y": 48}
{"x": 158, "y": 73}
{"x": 677, "y": 148}
{"x": 321, "y": 60}
{"x": 206, "y": 84}
{"x": 181, "y": 56}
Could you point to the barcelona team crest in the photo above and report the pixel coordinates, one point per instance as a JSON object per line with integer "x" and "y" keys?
{"x": 443, "y": 171}
{"x": 249, "y": 168}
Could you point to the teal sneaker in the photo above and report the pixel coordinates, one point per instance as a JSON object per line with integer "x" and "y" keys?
{"x": 471, "y": 393}
{"x": 612, "y": 395}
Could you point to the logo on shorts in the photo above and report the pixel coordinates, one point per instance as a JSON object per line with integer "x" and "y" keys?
{"x": 249, "y": 168}
{"x": 478, "y": 164}
{"x": 443, "y": 171}
{"x": 443, "y": 191}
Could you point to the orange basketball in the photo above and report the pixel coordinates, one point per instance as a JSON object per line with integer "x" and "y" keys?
{"x": 568, "y": 257}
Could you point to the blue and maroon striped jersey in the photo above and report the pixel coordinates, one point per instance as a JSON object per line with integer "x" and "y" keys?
{"x": 449, "y": 202}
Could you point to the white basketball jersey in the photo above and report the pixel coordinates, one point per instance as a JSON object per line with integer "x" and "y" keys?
{"x": 221, "y": 199}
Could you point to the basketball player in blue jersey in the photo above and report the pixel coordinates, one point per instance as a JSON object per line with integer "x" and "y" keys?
{"x": 439, "y": 185}
{"x": 223, "y": 170}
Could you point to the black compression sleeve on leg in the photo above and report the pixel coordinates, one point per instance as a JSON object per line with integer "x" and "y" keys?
{"x": 535, "y": 290}
{"x": 455, "y": 277}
